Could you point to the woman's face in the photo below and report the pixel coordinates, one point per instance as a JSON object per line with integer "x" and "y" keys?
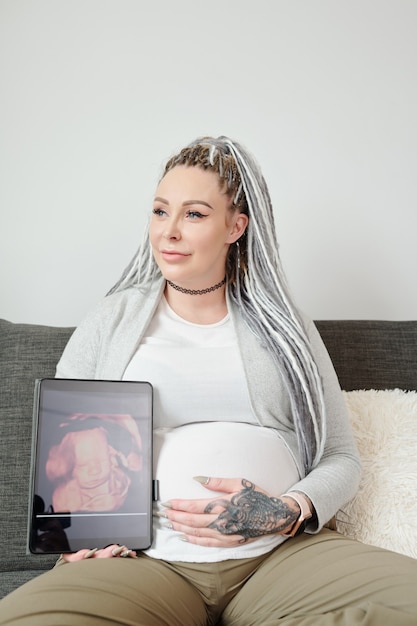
{"x": 192, "y": 227}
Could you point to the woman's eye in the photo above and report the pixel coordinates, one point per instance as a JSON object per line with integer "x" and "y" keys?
{"x": 158, "y": 212}
{"x": 195, "y": 215}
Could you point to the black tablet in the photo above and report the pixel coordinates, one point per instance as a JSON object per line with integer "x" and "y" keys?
{"x": 91, "y": 471}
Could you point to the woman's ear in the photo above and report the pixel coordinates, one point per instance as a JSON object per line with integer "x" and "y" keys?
{"x": 238, "y": 227}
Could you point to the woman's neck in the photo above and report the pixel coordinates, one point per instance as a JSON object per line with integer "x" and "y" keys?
{"x": 207, "y": 308}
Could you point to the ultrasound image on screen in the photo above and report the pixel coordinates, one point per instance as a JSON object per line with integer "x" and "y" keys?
{"x": 92, "y": 460}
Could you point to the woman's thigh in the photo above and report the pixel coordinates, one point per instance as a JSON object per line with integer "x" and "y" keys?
{"x": 122, "y": 592}
{"x": 327, "y": 579}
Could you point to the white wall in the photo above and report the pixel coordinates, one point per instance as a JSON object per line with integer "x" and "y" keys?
{"x": 96, "y": 94}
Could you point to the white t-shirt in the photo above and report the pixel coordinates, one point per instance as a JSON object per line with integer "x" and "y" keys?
{"x": 204, "y": 425}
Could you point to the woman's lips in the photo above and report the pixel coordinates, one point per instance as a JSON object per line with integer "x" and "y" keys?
{"x": 173, "y": 256}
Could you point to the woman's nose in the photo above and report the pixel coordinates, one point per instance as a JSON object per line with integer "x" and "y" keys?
{"x": 172, "y": 231}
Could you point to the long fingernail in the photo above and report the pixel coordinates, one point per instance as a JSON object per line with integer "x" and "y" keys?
{"x": 90, "y": 553}
{"x": 119, "y": 550}
{"x": 168, "y": 525}
{"x": 183, "y": 538}
{"x": 129, "y": 553}
{"x": 161, "y": 514}
{"x": 204, "y": 480}
{"x": 167, "y": 505}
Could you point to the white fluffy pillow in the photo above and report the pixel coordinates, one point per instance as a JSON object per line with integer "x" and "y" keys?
{"x": 384, "y": 511}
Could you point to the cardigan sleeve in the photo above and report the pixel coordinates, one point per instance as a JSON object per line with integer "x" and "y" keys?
{"x": 80, "y": 356}
{"x": 104, "y": 342}
{"x": 335, "y": 480}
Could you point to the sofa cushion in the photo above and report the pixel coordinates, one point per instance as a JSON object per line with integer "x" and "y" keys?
{"x": 27, "y": 352}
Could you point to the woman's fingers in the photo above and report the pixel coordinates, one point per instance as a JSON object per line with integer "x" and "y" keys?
{"x": 108, "y": 552}
{"x": 200, "y": 534}
{"x": 239, "y": 512}
{"x": 75, "y": 556}
{"x": 195, "y": 519}
{"x": 187, "y": 518}
{"x": 123, "y": 552}
{"x": 222, "y": 485}
{"x": 214, "y": 541}
{"x": 225, "y": 488}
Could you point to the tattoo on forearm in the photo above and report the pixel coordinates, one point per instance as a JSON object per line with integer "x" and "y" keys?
{"x": 250, "y": 513}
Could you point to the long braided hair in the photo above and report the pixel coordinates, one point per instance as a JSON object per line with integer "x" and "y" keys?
{"x": 256, "y": 283}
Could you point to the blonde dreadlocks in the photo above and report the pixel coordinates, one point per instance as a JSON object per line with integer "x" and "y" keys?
{"x": 256, "y": 283}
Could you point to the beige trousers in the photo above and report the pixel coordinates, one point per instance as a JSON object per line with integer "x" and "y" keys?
{"x": 320, "y": 580}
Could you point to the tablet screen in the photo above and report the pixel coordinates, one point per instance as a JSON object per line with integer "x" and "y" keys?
{"x": 91, "y": 474}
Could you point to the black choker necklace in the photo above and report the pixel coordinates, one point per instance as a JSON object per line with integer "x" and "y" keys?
{"x": 197, "y": 292}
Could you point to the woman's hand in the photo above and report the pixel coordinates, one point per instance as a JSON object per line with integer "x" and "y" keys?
{"x": 108, "y": 552}
{"x": 243, "y": 514}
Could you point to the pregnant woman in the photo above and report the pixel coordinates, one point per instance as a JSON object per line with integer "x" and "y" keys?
{"x": 252, "y": 443}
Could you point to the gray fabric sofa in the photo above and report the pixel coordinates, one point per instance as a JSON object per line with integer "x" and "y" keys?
{"x": 366, "y": 355}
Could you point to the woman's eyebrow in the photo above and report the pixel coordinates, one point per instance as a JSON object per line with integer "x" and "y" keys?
{"x": 186, "y": 203}
{"x": 158, "y": 199}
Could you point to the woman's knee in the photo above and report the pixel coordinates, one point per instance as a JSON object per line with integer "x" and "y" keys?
{"x": 328, "y": 576}
{"x": 122, "y": 592}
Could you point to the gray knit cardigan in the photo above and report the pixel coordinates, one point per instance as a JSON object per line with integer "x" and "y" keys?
{"x": 104, "y": 343}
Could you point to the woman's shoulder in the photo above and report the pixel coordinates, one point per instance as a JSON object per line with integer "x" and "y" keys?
{"x": 110, "y": 322}
{"x": 129, "y": 301}
{"x": 130, "y": 296}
